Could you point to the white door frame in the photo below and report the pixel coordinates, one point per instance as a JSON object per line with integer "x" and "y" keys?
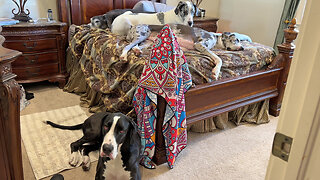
{"x": 298, "y": 113}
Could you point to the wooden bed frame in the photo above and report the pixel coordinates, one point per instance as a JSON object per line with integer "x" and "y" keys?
{"x": 203, "y": 101}
{"x": 209, "y": 99}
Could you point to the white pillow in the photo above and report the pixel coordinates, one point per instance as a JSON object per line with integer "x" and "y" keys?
{"x": 147, "y": 6}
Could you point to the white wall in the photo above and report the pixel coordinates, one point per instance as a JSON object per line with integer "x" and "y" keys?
{"x": 211, "y": 6}
{"x": 38, "y": 8}
{"x": 257, "y": 18}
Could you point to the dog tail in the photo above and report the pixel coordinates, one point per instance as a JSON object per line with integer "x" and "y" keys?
{"x": 75, "y": 127}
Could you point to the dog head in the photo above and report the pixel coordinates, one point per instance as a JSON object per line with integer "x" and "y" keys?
{"x": 231, "y": 42}
{"x": 185, "y": 10}
{"x": 99, "y": 22}
{"x": 117, "y": 129}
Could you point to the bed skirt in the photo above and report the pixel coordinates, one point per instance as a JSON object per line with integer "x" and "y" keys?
{"x": 255, "y": 113}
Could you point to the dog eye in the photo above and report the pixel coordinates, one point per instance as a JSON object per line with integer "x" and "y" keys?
{"x": 121, "y": 132}
{"x": 105, "y": 128}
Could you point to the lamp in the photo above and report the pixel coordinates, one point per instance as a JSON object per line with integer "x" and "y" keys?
{"x": 21, "y": 15}
{"x": 196, "y": 2}
{"x": 198, "y": 10}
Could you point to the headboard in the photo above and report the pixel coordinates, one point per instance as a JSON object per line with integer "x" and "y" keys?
{"x": 80, "y": 11}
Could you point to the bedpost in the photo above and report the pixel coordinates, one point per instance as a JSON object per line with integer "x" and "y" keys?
{"x": 10, "y": 138}
{"x": 283, "y": 60}
{"x": 64, "y": 11}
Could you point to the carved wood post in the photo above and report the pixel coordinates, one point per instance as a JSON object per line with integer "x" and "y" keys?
{"x": 10, "y": 137}
{"x": 283, "y": 60}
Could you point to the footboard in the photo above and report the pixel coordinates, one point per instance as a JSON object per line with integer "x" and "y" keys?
{"x": 218, "y": 97}
{"x": 225, "y": 95}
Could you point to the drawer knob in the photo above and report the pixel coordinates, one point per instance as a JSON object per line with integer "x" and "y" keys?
{"x": 32, "y": 61}
{"x": 30, "y": 47}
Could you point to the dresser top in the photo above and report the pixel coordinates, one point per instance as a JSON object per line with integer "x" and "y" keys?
{"x": 37, "y": 24}
{"x": 206, "y": 18}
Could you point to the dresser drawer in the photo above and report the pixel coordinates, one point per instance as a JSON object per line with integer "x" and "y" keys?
{"x": 208, "y": 26}
{"x": 32, "y": 45}
{"x": 35, "y": 59}
{"x": 206, "y": 23}
{"x": 36, "y": 72}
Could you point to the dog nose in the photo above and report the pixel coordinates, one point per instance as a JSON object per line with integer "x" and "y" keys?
{"x": 228, "y": 48}
{"x": 107, "y": 148}
{"x": 190, "y": 23}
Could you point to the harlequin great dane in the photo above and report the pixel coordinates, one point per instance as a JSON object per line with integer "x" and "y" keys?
{"x": 182, "y": 14}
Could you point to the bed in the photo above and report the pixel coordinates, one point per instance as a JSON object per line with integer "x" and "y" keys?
{"x": 203, "y": 101}
{"x": 206, "y": 99}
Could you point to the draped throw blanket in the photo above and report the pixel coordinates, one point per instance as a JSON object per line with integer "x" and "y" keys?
{"x": 165, "y": 74}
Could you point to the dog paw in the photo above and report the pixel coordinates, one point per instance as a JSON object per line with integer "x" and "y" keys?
{"x": 215, "y": 74}
{"x": 86, "y": 163}
{"x": 215, "y": 77}
{"x": 137, "y": 51}
{"x": 123, "y": 57}
{"x": 74, "y": 158}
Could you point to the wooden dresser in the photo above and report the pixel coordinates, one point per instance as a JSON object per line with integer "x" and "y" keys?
{"x": 43, "y": 46}
{"x": 206, "y": 23}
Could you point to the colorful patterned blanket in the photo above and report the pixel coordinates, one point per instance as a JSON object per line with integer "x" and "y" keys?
{"x": 165, "y": 74}
{"x": 98, "y": 53}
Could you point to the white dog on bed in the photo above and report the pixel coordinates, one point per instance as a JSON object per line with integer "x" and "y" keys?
{"x": 182, "y": 14}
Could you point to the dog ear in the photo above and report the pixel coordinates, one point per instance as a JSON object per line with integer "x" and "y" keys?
{"x": 103, "y": 117}
{"x": 179, "y": 7}
{"x": 225, "y": 35}
{"x": 131, "y": 147}
{"x": 134, "y": 132}
{"x": 233, "y": 36}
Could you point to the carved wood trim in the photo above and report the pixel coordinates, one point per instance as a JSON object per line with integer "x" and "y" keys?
{"x": 283, "y": 60}
{"x": 76, "y": 11}
{"x": 10, "y": 141}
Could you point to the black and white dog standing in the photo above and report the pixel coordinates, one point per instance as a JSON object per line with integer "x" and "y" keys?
{"x": 106, "y": 132}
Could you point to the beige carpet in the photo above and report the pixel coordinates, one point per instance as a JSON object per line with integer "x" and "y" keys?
{"x": 48, "y": 148}
{"x": 234, "y": 154}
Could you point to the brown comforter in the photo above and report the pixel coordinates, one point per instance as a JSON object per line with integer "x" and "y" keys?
{"x": 97, "y": 51}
